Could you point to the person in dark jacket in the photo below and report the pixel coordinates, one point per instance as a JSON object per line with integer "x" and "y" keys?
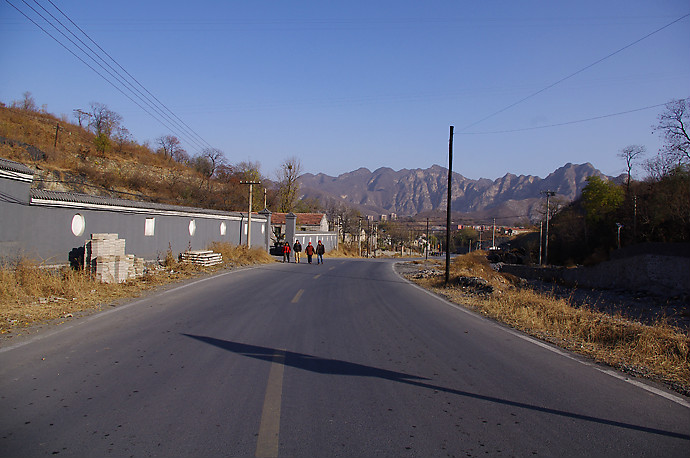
{"x": 297, "y": 248}
{"x": 286, "y": 252}
{"x": 309, "y": 251}
{"x": 320, "y": 251}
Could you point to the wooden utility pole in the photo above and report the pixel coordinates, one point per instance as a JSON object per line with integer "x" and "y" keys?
{"x": 548, "y": 213}
{"x": 450, "y": 181}
{"x": 57, "y": 129}
{"x": 249, "y": 213}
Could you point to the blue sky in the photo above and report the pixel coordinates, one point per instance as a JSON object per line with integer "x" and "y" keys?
{"x": 343, "y": 85}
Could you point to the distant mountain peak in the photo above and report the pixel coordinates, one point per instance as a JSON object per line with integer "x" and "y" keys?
{"x": 409, "y": 192}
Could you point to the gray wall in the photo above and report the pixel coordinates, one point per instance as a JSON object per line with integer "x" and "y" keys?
{"x": 44, "y": 231}
{"x": 329, "y": 239}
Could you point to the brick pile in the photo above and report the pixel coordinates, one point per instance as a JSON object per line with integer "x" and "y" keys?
{"x": 204, "y": 258}
{"x": 107, "y": 259}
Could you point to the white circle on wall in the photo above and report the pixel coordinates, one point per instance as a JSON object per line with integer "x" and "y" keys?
{"x": 78, "y": 225}
{"x": 223, "y": 228}
{"x": 192, "y": 227}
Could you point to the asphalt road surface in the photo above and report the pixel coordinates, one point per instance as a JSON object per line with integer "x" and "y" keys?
{"x": 342, "y": 359}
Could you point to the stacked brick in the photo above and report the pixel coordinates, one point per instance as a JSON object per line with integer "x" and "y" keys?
{"x": 204, "y": 258}
{"x": 107, "y": 259}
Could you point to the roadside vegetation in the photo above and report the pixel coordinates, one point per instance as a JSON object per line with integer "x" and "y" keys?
{"x": 658, "y": 351}
{"x": 31, "y": 295}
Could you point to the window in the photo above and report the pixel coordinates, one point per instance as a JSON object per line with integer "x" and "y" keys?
{"x": 78, "y": 225}
{"x": 150, "y": 227}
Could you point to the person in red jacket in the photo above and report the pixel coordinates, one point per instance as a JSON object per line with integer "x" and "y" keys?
{"x": 309, "y": 251}
{"x": 286, "y": 252}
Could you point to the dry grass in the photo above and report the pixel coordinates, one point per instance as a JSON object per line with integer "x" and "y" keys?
{"x": 344, "y": 250}
{"x": 659, "y": 351}
{"x": 31, "y": 295}
{"x": 240, "y": 255}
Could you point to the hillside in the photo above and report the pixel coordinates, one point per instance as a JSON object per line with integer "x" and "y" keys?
{"x": 69, "y": 161}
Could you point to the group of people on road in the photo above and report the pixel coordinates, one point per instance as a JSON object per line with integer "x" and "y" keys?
{"x": 310, "y": 251}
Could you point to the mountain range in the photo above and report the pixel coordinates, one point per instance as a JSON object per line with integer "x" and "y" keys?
{"x": 509, "y": 199}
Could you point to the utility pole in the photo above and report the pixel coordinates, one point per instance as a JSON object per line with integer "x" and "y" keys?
{"x": 493, "y": 236}
{"x": 635, "y": 218}
{"x": 249, "y": 213}
{"x": 450, "y": 181}
{"x": 57, "y": 129}
{"x": 548, "y": 212}
{"x": 541, "y": 240}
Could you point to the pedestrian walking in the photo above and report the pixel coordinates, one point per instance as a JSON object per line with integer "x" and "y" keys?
{"x": 320, "y": 251}
{"x": 309, "y": 251}
{"x": 297, "y": 248}
{"x": 286, "y": 252}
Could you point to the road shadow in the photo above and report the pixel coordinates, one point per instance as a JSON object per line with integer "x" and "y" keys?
{"x": 338, "y": 367}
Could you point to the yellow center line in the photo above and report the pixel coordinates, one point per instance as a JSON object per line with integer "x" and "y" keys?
{"x": 269, "y": 429}
{"x": 297, "y": 296}
{"x": 317, "y": 276}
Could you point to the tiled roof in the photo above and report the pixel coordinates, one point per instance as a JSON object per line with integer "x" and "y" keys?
{"x": 304, "y": 219}
{"x": 6, "y": 164}
{"x": 74, "y": 197}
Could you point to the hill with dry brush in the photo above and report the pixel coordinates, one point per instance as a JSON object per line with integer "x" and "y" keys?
{"x": 70, "y": 157}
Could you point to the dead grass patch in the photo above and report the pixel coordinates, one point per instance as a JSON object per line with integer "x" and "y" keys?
{"x": 30, "y": 294}
{"x": 658, "y": 351}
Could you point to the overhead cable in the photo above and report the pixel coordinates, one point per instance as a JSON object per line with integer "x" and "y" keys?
{"x": 575, "y": 73}
{"x": 116, "y": 79}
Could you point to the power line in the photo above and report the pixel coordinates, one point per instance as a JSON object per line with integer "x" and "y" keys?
{"x": 546, "y": 126}
{"x": 188, "y": 135}
{"x": 575, "y": 73}
{"x": 189, "y": 129}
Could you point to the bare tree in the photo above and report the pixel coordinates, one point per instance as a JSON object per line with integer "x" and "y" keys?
{"x": 81, "y": 115}
{"x": 215, "y": 158}
{"x": 631, "y": 154}
{"x": 288, "y": 176}
{"x": 207, "y": 163}
{"x": 27, "y": 103}
{"x": 673, "y": 128}
{"x": 659, "y": 166}
{"x": 171, "y": 147}
{"x": 122, "y": 137}
{"x": 103, "y": 120}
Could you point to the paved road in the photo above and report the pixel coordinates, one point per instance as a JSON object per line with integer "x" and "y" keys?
{"x": 344, "y": 359}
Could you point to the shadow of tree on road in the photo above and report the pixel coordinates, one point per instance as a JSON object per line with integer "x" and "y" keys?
{"x": 337, "y": 367}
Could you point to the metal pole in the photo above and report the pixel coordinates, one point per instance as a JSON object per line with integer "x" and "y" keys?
{"x": 450, "y": 181}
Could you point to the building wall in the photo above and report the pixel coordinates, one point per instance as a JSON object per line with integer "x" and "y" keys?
{"x": 329, "y": 239}
{"x": 45, "y": 231}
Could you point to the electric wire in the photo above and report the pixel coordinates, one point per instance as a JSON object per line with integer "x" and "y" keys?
{"x": 117, "y": 77}
{"x": 181, "y": 122}
{"x": 587, "y": 67}
{"x": 193, "y": 139}
{"x": 566, "y": 123}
